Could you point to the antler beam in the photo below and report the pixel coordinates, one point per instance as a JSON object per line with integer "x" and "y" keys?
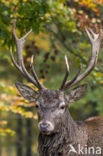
{"x": 20, "y": 63}
{"x": 95, "y": 40}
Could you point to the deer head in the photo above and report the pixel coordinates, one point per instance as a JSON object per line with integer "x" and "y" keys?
{"x": 52, "y": 106}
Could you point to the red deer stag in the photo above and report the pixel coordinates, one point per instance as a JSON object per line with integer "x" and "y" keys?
{"x": 59, "y": 134}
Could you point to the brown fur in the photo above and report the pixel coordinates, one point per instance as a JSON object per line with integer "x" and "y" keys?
{"x": 89, "y": 132}
{"x": 66, "y": 131}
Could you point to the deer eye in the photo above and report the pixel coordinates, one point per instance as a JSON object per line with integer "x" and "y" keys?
{"x": 37, "y": 105}
{"x": 62, "y": 107}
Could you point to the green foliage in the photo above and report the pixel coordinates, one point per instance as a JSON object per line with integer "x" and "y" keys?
{"x": 58, "y": 29}
{"x": 29, "y": 14}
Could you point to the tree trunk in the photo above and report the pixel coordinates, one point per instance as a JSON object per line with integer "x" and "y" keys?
{"x": 19, "y": 136}
{"x": 0, "y": 140}
{"x": 29, "y": 137}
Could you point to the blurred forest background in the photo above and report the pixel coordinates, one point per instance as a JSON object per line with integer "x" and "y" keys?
{"x": 58, "y": 29}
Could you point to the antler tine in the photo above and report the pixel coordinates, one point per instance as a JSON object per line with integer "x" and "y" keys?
{"x": 24, "y": 72}
{"x": 23, "y": 69}
{"x": 66, "y": 73}
{"x": 34, "y": 73}
{"x": 89, "y": 35}
{"x": 13, "y": 30}
{"x": 69, "y": 83}
{"x": 95, "y": 42}
{"x": 28, "y": 76}
{"x": 19, "y": 43}
{"x": 20, "y": 63}
{"x": 14, "y": 34}
{"x": 14, "y": 62}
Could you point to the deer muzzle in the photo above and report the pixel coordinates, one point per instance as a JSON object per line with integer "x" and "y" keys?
{"x": 45, "y": 127}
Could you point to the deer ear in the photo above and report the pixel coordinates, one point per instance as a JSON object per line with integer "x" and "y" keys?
{"x": 27, "y": 92}
{"x": 76, "y": 93}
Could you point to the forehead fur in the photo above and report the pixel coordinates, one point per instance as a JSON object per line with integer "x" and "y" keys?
{"x": 48, "y": 97}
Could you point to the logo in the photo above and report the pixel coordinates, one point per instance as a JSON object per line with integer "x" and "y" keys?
{"x": 85, "y": 150}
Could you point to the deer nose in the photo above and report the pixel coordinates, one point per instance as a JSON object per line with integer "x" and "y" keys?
{"x": 44, "y": 126}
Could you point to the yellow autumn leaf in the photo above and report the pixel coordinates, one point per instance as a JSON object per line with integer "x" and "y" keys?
{"x": 35, "y": 117}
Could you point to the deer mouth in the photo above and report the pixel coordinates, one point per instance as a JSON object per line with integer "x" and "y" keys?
{"x": 45, "y": 131}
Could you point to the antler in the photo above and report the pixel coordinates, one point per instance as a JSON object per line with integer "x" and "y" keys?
{"x": 20, "y": 63}
{"x": 66, "y": 73}
{"x": 95, "y": 40}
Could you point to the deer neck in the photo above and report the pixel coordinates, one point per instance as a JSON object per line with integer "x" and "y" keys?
{"x": 76, "y": 131}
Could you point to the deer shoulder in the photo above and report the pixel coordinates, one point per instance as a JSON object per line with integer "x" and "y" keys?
{"x": 95, "y": 130}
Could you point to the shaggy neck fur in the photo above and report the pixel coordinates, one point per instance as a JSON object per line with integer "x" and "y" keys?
{"x": 58, "y": 144}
